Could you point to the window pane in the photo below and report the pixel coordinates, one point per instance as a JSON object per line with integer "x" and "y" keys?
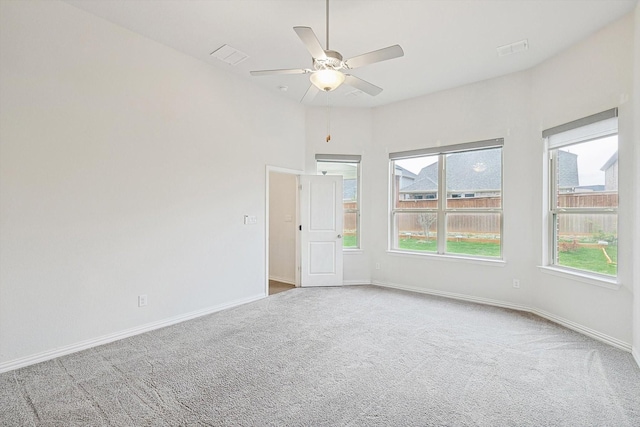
{"x": 350, "y": 236}
{"x": 587, "y": 174}
{"x": 417, "y": 231}
{"x": 349, "y": 173}
{"x": 475, "y": 234}
{"x": 587, "y": 242}
{"x": 474, "y": 179}
{"x": 416, "y": 183}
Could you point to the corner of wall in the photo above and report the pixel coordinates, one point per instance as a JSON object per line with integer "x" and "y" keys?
{"x": 636, "y": 136}
{"x": 636, "y": 355}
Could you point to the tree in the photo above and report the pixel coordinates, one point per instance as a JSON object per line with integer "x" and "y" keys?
{"x": 426, "y": 220}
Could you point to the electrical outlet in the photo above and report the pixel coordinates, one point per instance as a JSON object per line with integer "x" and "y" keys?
{"x": 377, "y": 266}
{"x": 142, "y": 300}
{"x": 516, "y": 283}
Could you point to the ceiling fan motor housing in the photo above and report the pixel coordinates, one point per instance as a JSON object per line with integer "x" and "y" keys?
{"x": 332, "y": 61}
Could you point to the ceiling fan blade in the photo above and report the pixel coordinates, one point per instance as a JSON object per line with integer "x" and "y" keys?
{"x": 390, "y": 52}
{"x": 310, "y": 94}
{"x": 362, "y": 85}
{"x": 272, "y": 72}
{"x": 311, "y": 42}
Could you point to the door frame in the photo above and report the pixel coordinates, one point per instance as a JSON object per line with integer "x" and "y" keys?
{"x": 297, "y": 174}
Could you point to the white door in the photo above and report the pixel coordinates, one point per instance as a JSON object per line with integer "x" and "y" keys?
{"x": 321, "y": 234}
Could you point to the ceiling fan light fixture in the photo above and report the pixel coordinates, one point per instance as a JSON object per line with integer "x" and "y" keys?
{"x": 327, "y": 79}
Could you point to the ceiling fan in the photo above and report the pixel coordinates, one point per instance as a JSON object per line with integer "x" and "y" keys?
{"x": 329, "y": 67}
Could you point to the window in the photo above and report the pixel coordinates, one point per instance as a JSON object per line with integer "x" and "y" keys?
{"x": 468, "y": 220}
{"x": 349, "y": 168}
{"x": 583, "y": 194}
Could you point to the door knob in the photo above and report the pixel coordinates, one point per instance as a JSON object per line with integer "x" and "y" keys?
{"x": 339, "y": 236}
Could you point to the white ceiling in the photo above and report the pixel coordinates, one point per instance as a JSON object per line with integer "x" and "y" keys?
{"x": 447, "y": 43}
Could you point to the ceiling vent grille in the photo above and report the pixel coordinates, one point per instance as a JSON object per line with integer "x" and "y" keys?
{"x": 512, "y": 48}
{"x": 230, "y": 55}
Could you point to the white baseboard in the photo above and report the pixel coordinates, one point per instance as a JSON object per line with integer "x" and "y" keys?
{"x": 353, "y": 282}
{"x": 555, "y": 319}
{"x": 462, "y": 297}
{"x": 105, "y": 339}
{"x": 288, "y": 281}
{"x": 583, "y": 329}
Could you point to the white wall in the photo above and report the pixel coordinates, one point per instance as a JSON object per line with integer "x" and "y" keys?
{"x": 590, "y": 77}
{"x": 282, "y": 227}
{"x": 125, "y": 169}
{"x": 497, "y": 108}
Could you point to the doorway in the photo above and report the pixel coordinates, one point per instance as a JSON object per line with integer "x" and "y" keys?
{"x": 282, "y": 220}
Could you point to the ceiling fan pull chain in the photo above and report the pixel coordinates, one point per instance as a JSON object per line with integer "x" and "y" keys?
{"x": 328, "y": 138}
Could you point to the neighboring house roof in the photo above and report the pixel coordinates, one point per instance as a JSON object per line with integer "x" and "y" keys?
{"x": 568, "y": 169}
{"x": 481, "y": 171}
{"x": 427, "y": 180}
{"x": 610, "y": 162}
{"x": 473, "y": 170}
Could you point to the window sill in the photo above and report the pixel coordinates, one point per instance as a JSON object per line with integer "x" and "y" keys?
{"x": 450, "y": 258}
{"x": 352, "y": 251}
{"x": 581, "y": 277}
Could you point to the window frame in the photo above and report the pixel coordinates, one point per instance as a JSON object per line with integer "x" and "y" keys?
{"x": 442, "y": 210}
{"x": 348, "y": 158}
{"x": 553, "y": 211}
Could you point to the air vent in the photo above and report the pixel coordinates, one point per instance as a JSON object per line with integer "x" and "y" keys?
{"x": 354, "y": 93}
{"x": 512, "y": 48}
{"x": 230, "y": 55}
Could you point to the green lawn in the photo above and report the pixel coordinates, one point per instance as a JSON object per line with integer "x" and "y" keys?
{"x": 349, "y": 241}
{"x": 590, "y": 259}
{"x": 583, "y": 258}
{"x": 417, "y": 245}
{"x": 466, "y": 248}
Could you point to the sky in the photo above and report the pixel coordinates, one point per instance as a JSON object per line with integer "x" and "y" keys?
{"x": 416, "y": 165}
{"x": 592, "y": 156}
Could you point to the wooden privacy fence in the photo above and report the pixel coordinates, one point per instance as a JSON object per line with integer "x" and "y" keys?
{"x": 489, "y": 223}
{"x": 485, "y": 223}
{"x": 585, "y": 224}
{"x": 588, "y": 200}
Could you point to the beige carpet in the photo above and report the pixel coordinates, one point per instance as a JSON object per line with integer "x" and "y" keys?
{"x": 352, "y": 356}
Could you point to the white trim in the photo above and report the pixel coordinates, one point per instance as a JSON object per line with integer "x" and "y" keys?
{"x": 356, "y": 282}
{"x": 105, "y": 339}
{"x": 352, "y": 251}
{"x": 584, "y": 278}
{"x": 583, "y": 330}
{"x": 555, "y": 319}
{"x": 297, "y": 173}
{"x": 337, "y": 158}
{"x": 447, "y": 257}
{"x": 446, "y": 149}
{"x": 288, "y": 281}
{"x": 452, "y": 295}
